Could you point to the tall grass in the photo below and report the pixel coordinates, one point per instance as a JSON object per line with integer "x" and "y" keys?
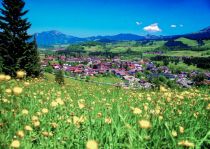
{"x": 68, "y": 116}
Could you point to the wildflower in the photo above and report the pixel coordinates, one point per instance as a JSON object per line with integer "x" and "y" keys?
{"x": 76, "y": 120}
{"x": 2, "y": 77}
{"x": 17, "y": 90}
{"x": 208, "y": 107}
{"x": 145, "y": 124}
{"x": 39, "y": 113}
{"x": 68, "y": 121}
{"x": 54, "y": 104}
{"x": 160, "y": 117}
{"x": 174, "y": 133}
{"x": 15, "y": 144}
{"x": 44, "y": 110}
{"x": 47, "y": 134}
{"x": 8, "y": 91}
{"x": 34, "y": 118}
{"x": 7, "y": 77}
{"x": 137, "y": 111}
{"x": 20, "y": 74}
{"x": 91, "y": 144}
{"x": 25, "y": 112}
{"x": 60, "y": 101}
{"x": 186, "y": 143}
{"x": 157, "y": 111}
{"x": 26, "y": 83}
{"x": 81, "y": 105}
{"x": 163, "y": 89}
{"x": 28, "y": 128}
{"x": 36, "y": 123}
{"x": 181, "y": 129}
{"x": 99, "y": 114}
{"x": 20, "y": 134}
{"x": 149, "y": 98}
{"x": 82, "y": 119}
{"x": 54, "y": 125}
{"x": 108, "y": 120}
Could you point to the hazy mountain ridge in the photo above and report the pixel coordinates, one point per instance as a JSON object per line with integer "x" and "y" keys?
{"x": 54, "y": 37}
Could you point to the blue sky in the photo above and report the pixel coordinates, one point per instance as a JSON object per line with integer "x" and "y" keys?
{"x": 107, "y": 17}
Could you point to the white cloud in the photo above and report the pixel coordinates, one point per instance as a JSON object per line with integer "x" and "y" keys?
{"x": 181, "y": 25}
{"x": 138, "y": 23}
{"x": 152, "y": 28}
{"x": 173, "y": 26}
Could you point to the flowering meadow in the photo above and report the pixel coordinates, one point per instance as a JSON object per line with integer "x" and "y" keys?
{"x": 38, "y": 113}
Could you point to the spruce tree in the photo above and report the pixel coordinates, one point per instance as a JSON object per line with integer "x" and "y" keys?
{"x": 59, "y": 78}
{"x": 15, "y": 48}
{"x": 33, "y": 65}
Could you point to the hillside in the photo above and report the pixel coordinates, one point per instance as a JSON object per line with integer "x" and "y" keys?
{"x": 45, "y": 115}
{"x": 187, "y": 41}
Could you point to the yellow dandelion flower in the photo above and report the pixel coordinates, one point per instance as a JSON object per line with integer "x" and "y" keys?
{"x": 75, "y": 120}
{"x": 181, "y": 129}
{"x": 26, "y": 83}
{"x": 91, "y": 144}
{"x": 81, "y": 105}
{"x": 163, "y": 89}
{"x": 34, "y": 118}
{"x": 82, "y": 119}
{"x": 44, "y": 110}
{"x": 186, "y": 143}
{"x": 20, "y": 74}
{"x": 28, "y": 128}
{"x": 208, "y": 107}
{"x": 157, "y": 111}
{"x": 108, "y": 120}
{"x": 54, "y": 104}
{"x": 36, "y": 123}
{"x": 47, "y": 134}
{"x": 68, "y": 121}
{"x": 7, "y": 77}
{"x": 15, "y": 144}
{"x": 2, "y": 77}
{"x": 137, "y": 111}
{"x": 17, "y": 90}
{"x": 59, "y": 101}
{"x": 20, "y": 134}
{"x": 39, "y": 113}
{"x": 174, "y": 133}
{"x": 8, "y": 91}
{"x": 145, "y": 124}
{"x": 146, "y": 107}
{"x": 25, "y": 112}
{"x": 99, "y": 114}
{"x": 54, "y": 125}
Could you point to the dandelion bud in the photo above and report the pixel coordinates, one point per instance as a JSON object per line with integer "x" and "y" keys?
{"x": 92, "y": 144}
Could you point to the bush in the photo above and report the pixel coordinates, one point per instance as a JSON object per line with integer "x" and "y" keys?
{"x": 199, "y": 78}
{"x": 171, "y": 84}
{"x": 87, "y": 78}
{"x": 162, "y": 79}
{"x": 59, "y": 78}
{"x": 49, "y": 69}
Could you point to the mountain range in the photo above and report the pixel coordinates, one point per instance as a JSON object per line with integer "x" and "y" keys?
{"x": 49, "y": 38}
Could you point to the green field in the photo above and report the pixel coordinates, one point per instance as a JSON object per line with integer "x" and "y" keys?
{"x": 121, "y": 48}
{"x": 188, "y": 42}
{"x": 188, "y": 53}
{"x": 46, "y": 115}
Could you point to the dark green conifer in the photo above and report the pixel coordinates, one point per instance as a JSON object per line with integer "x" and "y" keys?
{"x": 16, "y": 50}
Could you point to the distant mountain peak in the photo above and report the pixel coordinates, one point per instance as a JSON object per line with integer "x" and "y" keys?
{"x": 53, "y": 37}
{"x": 207, "y": 29}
